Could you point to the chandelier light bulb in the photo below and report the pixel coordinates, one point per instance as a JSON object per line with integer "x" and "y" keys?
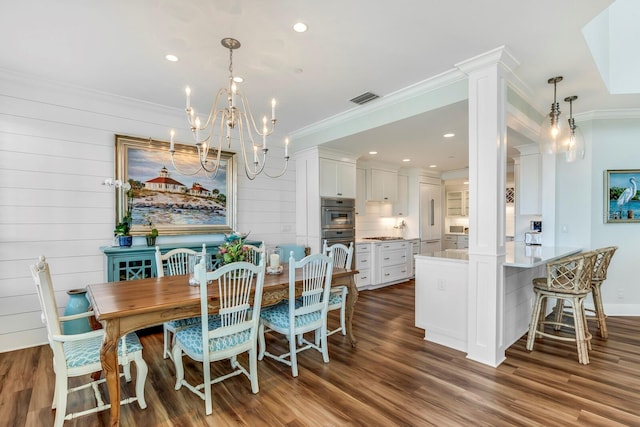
{"x": 551, "y": 128}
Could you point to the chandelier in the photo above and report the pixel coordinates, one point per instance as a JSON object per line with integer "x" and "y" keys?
{"x": 231, "y": 116}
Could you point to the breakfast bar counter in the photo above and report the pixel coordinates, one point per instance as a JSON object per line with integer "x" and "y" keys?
{"x": 442, "y": 292}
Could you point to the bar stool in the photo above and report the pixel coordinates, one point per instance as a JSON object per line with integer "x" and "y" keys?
{"x": 568, "y": 279}
{"x": 599, "y": 275}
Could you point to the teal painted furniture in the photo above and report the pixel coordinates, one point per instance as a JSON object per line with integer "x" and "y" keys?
{"x": 139, "y": 262}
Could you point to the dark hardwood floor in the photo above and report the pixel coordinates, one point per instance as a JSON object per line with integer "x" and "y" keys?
{"x": 392, "y": 378}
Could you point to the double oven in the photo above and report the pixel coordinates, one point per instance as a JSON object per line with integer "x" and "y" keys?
{"x": 338, "y": 221}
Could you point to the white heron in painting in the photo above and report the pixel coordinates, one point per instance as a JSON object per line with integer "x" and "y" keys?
{"x": 628, "y": 194}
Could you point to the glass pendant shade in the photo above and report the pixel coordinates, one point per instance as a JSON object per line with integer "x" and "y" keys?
{"x": 552, "y": 127}
{"x": 574, "y": 145}
{"x": 551, "y": 133}
{"x": 573, "y": 141}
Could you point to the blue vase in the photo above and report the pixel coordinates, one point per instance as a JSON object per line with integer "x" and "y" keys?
{"x": 125, "y": 241}
{"x": 78, "y": 303}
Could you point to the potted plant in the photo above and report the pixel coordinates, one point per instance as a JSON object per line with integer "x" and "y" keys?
{"x": 152, "y": 234}
{"x": 122, "y": 231}
{"x": 124, "y": 226}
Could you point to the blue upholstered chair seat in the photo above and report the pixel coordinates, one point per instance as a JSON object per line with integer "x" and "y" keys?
{"x": 184, "y": 323}
{"x": 86, "y": 352}
{"x": 335, "y": 298}
{"x": 278, "y": 315}
{"x": 190, "y": 338}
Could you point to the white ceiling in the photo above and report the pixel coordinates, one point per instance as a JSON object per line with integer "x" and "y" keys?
{"x": 353, "y": 46}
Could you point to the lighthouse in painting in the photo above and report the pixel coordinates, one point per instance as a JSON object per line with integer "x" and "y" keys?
{"x": 165, "y": 183}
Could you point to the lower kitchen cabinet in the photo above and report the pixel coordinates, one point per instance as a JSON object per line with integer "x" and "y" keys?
{"x": 363, "y": 265}
{"x": 455, "y": 241}
{"x": 384, "y": 263}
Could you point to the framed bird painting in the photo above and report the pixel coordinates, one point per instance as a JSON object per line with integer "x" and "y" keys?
{"x": 622, "y": 199}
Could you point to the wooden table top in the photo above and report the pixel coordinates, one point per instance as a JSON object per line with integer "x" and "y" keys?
{"x": 133, "y": 297}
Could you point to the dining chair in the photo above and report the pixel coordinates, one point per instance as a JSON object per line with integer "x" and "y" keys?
{"x": 342, "y": 258}
{"x": 254, "y": 253}
{"x": 226, "y": 336}
{"x": 79, "y": 354}
{"x": 568, "y": 279}
{"x": 296, "y": 316}
{"x": 598, "y": 276}
{"x": 176, "y": 262}
{"x": 299, "y": 251}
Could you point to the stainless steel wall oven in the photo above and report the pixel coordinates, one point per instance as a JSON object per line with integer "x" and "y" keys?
{"x": 338, "y": 221}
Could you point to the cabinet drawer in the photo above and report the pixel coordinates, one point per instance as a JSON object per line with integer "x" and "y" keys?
{"x": 394, "y": 257}
{"x": 395, "y": 245}
{"x": 363, "y": 261}
{"x": 363, "y": 249}
{"x": 396, "y": 272}
{"x": 363, "y": 278}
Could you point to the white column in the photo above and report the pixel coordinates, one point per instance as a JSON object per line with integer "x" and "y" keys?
{"x": 487, "y": 76}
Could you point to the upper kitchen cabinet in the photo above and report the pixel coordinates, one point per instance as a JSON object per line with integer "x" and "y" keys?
{"x": 337, "y": 179}
{"x": 529, "y": 177}
{"x": 382, "y": 185}
{"x": 401, "y": 205}
{"x": 458, "y": 203}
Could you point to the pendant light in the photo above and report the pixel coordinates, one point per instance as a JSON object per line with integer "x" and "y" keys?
{"x": 551, "y": 128}
{"x": 573, "y": 144}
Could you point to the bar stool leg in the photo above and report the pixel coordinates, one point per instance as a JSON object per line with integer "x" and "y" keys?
{"x": 579, "y": 327}
{"x": 597, "y": 302}
{"x": 535, "y": 321}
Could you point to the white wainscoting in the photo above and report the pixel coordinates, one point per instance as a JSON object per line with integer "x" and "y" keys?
{"x": 57, "y": 144}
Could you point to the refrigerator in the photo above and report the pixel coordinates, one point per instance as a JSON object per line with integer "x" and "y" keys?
{"x": 430, "y": 218}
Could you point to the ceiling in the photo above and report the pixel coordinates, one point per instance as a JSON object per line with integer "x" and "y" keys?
{"x": 351, "y": 47}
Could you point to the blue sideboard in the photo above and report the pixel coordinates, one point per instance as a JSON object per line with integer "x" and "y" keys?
{"x": 139, "y": 262}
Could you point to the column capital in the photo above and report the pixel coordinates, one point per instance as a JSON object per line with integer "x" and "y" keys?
{"x": 500, "y": 55}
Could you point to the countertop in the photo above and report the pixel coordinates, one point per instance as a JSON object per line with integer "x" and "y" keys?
{"x": 517, "y": 254}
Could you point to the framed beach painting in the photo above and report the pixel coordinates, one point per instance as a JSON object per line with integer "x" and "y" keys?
{"x": 173, "y": 202}
{"x": 621, "y": 203}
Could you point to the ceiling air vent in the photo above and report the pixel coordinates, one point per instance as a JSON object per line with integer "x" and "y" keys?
{"x": 364, "y": 98}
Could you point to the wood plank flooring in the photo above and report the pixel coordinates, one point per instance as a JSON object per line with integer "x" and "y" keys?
{"x": 392, "y": 378}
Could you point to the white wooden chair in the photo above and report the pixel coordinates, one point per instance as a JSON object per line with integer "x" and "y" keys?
{"x": 79, "y": 354}
{"x": 342, "y": 258}
{"x": 175, "y": 262}
{"x": 569, "y": 280}
{"x": 231, "y": 333}
{"x": 297, "y": 316}
{"x": 254, "y": 253}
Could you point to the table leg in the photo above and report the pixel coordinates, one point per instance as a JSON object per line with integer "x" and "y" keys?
{"x": 352, "y": 297}
{"x": 109, "y": 360}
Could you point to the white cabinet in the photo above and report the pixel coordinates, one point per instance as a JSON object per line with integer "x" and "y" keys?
{"x": 415, "y": 250}
{"x": 337, "y": 179}
{"x": 458, "y": 203}
{"x": 363, "y": 264}
{"x": 401, "y": 205}
{"x": 382, "y": 185}
{"x": 392, "y": 262}
{"x": 454, "y": 241}
{"x": 361, "y": 192}
{"x": 430, "y": 211}
{"x": 528, "y": 191}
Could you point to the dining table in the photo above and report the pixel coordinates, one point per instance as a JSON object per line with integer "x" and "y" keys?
{"x": 126, "y": 306}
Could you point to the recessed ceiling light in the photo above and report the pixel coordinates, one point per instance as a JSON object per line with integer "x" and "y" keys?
{"x": 373, "y": 152}
{"x": 238, "y": 79}
{"x": 171, "y": 58}
{"x": 449, "y": 135}
{"x": 300, "y": 27}
{"x": 406, "y": 160}
{"x": 433, "y": 166}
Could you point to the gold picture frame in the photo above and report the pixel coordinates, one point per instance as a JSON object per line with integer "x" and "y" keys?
{"x": 174, "y": 203}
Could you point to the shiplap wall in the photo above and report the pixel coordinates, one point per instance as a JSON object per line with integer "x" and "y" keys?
{"x": 57, "y": 144}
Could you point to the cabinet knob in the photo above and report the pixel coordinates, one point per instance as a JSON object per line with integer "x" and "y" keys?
{"x": 386, "y": 258}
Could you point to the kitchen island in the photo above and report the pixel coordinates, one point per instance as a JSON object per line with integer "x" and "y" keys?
{"x": 442, "y": 294}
